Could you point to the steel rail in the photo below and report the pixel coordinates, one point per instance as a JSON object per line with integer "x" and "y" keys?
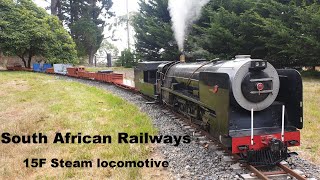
{"x": 257, "y": 173}
{"x": 291, "y": 172}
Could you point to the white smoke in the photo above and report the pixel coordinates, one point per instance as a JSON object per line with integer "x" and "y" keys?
{"x": 183, "y": 13}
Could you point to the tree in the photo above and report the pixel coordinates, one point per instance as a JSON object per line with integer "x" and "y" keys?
{"x": 84, "y": 19}
{"x": 107, "y": 47}
{"x": 87, "y": 36}
{"x": 306, "y": 46}
{"x": 27, "y": 31}
{"x": 21, "y": 33}
{"x": 283, "y": 32}
{"x": 60, "y": 47}
{"x": 55, "y": 7}
{"x": 126, "y": 59}
{"x": 154, "y": 36}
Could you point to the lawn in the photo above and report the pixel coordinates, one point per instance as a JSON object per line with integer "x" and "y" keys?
{"x": 310, "y": 134}
{"x": 32, "y": 103}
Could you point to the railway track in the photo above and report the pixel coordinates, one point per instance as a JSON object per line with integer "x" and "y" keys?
{"x": 207, "y": 140}
{"x": 282, "y": 170}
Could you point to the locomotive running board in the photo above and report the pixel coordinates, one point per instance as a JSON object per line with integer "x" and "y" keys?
{"x": 185, "y": 97}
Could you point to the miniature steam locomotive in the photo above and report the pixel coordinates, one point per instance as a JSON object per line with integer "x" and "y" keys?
{"x": 253, "y": 109}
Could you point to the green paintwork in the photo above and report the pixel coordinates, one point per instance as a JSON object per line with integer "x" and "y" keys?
{"x": 218, "y": 102}
{"x": 141, "y": 86}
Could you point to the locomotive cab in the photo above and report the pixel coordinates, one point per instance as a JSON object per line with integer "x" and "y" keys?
{"x": 145, "y": 77}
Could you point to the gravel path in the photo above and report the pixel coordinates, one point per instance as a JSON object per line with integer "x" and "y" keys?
{"x": 189, "y": 161}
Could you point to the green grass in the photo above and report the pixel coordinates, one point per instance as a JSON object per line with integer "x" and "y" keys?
{"x": 310, "y": 134}
{"x": 311, "y": 74}
{"x": 31, "y": 103}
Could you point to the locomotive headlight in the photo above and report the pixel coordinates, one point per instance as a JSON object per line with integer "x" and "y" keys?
{"x": 258, "y": 65}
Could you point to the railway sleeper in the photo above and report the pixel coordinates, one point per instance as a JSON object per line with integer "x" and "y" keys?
{"x": 271, "y": 175}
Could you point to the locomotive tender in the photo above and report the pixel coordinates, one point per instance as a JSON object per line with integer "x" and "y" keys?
{"x": 253, "y": 109}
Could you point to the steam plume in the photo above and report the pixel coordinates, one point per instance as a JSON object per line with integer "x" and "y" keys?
{"x": 183, "y": 13}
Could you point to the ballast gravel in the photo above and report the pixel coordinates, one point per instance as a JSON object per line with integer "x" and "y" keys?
{"x": 193, "y": 160}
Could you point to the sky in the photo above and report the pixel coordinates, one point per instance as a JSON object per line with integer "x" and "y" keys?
{"x": 119, "y": 7}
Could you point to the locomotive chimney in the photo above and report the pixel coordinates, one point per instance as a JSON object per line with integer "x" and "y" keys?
{"x": 182, "y": 56}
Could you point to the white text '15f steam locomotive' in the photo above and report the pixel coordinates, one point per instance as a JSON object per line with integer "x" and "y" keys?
{"x": 254, "y": 109}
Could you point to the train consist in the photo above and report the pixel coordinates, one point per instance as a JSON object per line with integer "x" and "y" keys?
{"x": 252, "y": 108}
{"x": 80, "y": 72}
